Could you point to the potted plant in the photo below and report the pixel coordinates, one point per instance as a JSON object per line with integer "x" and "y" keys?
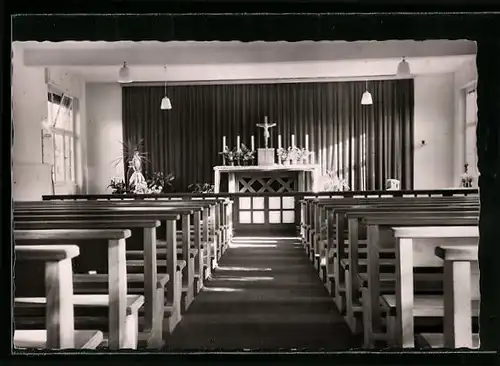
{"x": 332, "y": 183}
{"x": 466, "y": 179}
{"x": 283, "y": 156}
{"x": 201, "y": 188}
{"x": 117, "y": 185}
{"x": 158, "y": 183}
{"x": 135, "y": 159}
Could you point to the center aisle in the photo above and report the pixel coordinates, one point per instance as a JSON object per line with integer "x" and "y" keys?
{"x": 265, "y": 295}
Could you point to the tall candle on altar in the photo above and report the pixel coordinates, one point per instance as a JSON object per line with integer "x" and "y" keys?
{"x": 238, "y": 143}
{"x": 252, "y": 143}
{"x": 279, "y": 141}
{"x": 223, "y": 142}
{"x": 293, "y": 140}
{"x": 307, "y": 142}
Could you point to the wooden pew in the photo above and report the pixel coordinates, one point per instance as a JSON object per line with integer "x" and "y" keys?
{"x": 457, "y": 298}
{"x": 336, "y": 243}
{"x": 123, "y": 308}
{"x": 406, "y": 250}
{"x": 149, "y": 284}
{"x": 131, "y": 210}
{"x": 59, "y": 319}
{"x": 374, "y": 220}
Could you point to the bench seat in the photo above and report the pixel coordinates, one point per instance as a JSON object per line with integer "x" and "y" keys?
{"x": 133, "y": 279}
{"x": 139, "y": 263}
{"x": 37, "y": 339}
{"x": 436, "y": 340}
{"x": 424, "y": 305}
{"x": 34, "y": 304}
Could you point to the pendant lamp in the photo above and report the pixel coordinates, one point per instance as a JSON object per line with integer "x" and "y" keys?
{"x": 165, "y": 102}
{"x": 366, "y": 99}
{"x": 124, "y": 74}
{"x": 403, "y": 69}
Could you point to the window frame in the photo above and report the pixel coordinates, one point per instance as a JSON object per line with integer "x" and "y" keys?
{"x": 69, "y": 160}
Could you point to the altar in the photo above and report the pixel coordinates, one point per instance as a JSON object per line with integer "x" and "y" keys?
{"x": 269, "y": 178}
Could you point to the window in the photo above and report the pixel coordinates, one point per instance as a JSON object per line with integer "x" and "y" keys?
{"x": 62, "y": 117}
{"x": 470, "y": 131}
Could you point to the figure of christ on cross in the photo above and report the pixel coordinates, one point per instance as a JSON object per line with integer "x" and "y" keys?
{"x": 266, "y": 126}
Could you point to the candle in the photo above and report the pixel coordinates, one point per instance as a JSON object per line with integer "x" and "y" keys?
{"x": 252, "y": 143}
{"x": 293, "y": 140}
{"x": 307, "y": 142}
{"x": 238, "y": 143}
{"x": 224, "y": 142}
{"x": 279, "y": 141}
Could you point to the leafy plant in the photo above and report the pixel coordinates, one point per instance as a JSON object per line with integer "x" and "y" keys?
{"x": 159, "y": 181}
{"x": 332, "y": 183}
{"x": 201, "y": 188}
{"x": 117, "y": 185}
{"x": 131, "y": 153}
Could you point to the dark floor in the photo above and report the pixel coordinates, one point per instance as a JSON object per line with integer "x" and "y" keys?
{"x": 265, "y": 295}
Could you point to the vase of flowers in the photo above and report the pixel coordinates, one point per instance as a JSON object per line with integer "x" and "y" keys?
{"x": 303, "y": 156}
{"x": 159, "y": 182}
{"x": 283, "y": 156}
{"x": 247, "y": 155}
{"x": 466, "y": 179}
{"x": 227, "y": 156}
{"x": 294, "y": 154}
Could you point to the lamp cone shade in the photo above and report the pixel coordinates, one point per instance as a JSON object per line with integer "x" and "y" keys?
{"x": 403, "y": 69}
{"x": 124, "y": 74}
{"x": 366, "y": 99}
{"x": 165, "y": 103}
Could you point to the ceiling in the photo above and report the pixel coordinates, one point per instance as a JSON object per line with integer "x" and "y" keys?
{"x": 209, "y": 61}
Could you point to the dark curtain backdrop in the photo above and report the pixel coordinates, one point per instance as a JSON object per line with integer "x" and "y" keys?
{"x": 364, "y": 144}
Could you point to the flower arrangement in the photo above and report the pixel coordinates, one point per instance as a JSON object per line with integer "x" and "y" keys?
{"x": 246, "y": 154}
{"x": 203, "y": 188}
{"x": 332, "y": 183}
{"x": 282, "y": 155}
{"x": 466, "y": 179}
{"x": 227, "y": 155}
{"x": 117, "y": 185}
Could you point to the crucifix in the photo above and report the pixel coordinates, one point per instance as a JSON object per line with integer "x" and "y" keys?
{"x": 266, "y": 126}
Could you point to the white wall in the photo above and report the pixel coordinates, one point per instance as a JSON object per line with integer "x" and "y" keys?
{"x": 104, "y": 128}
{"x": 31, "y": 177}
{"x": 466, "y": 75}
{"x": 434, "y": 124}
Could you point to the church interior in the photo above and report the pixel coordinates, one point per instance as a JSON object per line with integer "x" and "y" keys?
{"x": 276, "y": 196}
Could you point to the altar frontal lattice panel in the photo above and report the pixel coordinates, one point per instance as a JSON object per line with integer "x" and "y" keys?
{"x": 267, "y": 184}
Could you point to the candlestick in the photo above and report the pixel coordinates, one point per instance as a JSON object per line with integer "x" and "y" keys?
{"x": 223, "y": 142}
{"x": 293, "y": 140}
{"x": 307, "y": 142}
{"x": 252, "y": 143}
{"x": 279, "y": 141}
{"x": 238, "y": 143}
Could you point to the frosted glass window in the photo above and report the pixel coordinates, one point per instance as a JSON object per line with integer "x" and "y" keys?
{"x": 258, "y": 217}
{"x": 245, "y": 203}
{"x": 274, "y": 217}
{"x": 258, "y": 203}
{"x": 245, "y": 217}
{"x": 274, "y": 203}
{"x": 288, "y": 217}
{"x": 289, "y": 203}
